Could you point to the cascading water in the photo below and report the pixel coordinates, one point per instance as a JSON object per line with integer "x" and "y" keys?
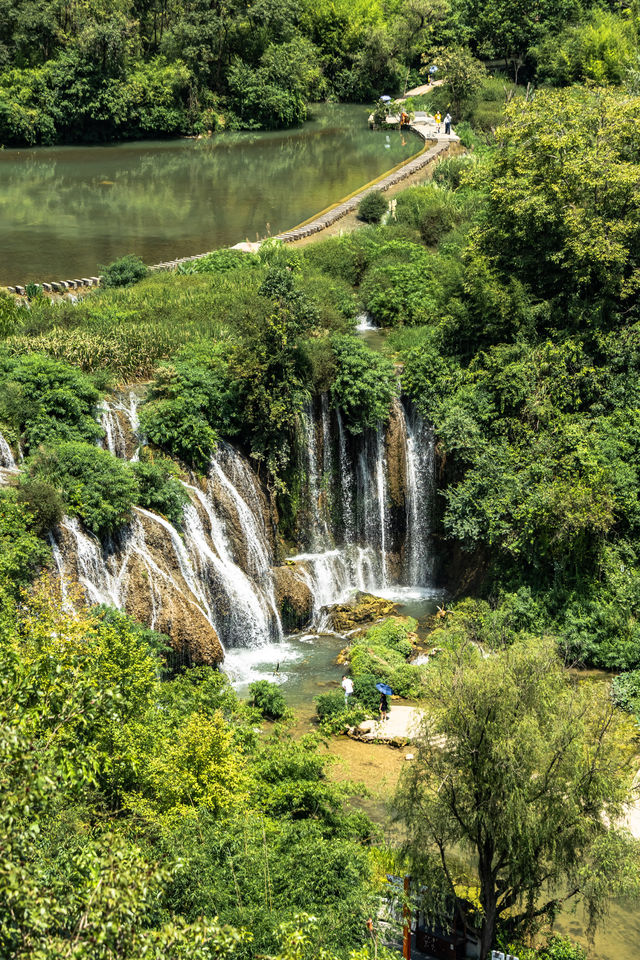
{"x": 119, "y": 420}
{"x": 346, "y": 483}
{"x": 358, "y": 558}
{"x": 368, "y": 519}
{"x": 6, "y": 456}
{"x": 420, "y": 499}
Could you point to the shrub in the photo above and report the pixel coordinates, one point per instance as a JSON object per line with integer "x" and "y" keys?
{"x": 180, "y": 429}
{"x": 124, "y": 272}
{"x": 96, "y": 487}
{"x": 43, "y": 399}
{"x": 159, "y": 489}
{"x": 432, "y": 210}
{"x": 330, "y": 704}
{"x": 364, "y": 384}
{"x": 267, "y": 698}
{"x": 43, "y": 502}
{"x": 372, "y": 207}
{"x": 33, "y": 290}
{"x": 220, "y": 261}
{"x": 364, "y": 690}
{"x": 22, "y": 553}
{"x": 625, "y": 691}
{"x": 450, "y": 171}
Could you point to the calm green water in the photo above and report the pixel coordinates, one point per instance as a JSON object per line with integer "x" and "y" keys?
{"x": 65, "y": 210}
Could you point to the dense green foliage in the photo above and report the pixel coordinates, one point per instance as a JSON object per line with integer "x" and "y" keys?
{"x": 123, "y": 272}
{"x": 156, "y": 812}
{"x": 42, "y": 400}
{"x": 159, "y": 489}
{"x": 95, "y": 486}
{"x": 381, "y": 655}
{"x": 138, "y": 69}
{"x": 268, "y": 699}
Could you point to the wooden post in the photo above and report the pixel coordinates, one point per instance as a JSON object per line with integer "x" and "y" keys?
{"x": 406, "y": 912}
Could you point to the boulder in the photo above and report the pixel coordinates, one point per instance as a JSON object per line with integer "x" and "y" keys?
{"x": 364, "y": 608}
{"x": 293, "y": 597}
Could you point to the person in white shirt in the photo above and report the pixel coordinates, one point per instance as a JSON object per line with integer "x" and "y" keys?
{"x": 347, "y": 686}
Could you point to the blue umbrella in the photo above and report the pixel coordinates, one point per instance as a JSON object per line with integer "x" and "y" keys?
{"x": 384, "y": 688}
{"x": 385, "y": 98}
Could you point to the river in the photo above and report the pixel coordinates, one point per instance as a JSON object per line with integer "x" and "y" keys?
{"x": 66, "y": 210}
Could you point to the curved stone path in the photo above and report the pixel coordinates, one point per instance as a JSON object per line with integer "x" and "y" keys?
{"x": 424, "y": 126}
{"x": 426, "y": 131}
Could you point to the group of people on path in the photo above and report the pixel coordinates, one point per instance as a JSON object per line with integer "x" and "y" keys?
{"x": 347, "y": 686}
{"x": 447, "y": 122}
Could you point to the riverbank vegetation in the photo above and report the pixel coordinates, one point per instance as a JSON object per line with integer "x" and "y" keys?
{"x": 88, "y": 72}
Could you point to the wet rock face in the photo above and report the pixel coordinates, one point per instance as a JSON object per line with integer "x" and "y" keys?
{"x": 396, "y": 452}
{"x": 141, "y": 574}
{"x": 365, "y": 608}
{"x": 294, "y": 599}
{"x": 173, "y": 612}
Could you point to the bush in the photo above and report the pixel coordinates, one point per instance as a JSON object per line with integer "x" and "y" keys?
{"x": 42, "y": 399}
{"x": 159, "y": 489}
{"x": 364, "y": 690}
{"x": 43, "y": 502}
{"x": 330, "y": 704}
{"x": 364, "y": 384}
{"x": 267, "y": 698}
{"x": 96, "y": 487}
{"x": 450, "y": 171}
{"x": 180, "y": 429}
{"x": 33, "y": 290}
{"x": 373, "y": 207}
{"x": 432, "y": 210}
{"x": 124, "y": 272}
{"x": 220, "y": 261}
{"x": 625, "y": 691}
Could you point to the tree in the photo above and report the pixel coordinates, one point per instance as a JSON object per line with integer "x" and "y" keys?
{"x": 562, "y": 212}
{"x": 526, "y": 771}
{"x": 462, "y": 73}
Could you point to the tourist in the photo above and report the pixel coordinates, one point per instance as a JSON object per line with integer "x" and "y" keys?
{"x": 384, "y": 707}
{"x": 438, "y": 119}
{"x": 347, "y": 686}
{"x": 447, "y": 123}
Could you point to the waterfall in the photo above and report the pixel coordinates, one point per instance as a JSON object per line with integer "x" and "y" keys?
{"x": 381, "y": 493}
{"x": 380, "y": 483}
{"x": 318, "y": 526}
{"x": 119, "y": 420}
{"x": 420, "y": 498}
{"x": 6, "y": 456}
{"x": 346, "y": 483}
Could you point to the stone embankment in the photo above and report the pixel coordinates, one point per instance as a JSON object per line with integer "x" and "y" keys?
{"x": 424, "y": 126}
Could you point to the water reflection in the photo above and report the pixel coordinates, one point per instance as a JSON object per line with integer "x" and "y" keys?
{"x": 64, "y": 210}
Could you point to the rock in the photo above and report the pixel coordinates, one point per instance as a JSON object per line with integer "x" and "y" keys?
{"x": 396, "y": 446}
{"x": 293, "y": 597}
{"x": 409, "y": 756}
{"x": 365, "y": 608}
{"x": 367, "y": 726}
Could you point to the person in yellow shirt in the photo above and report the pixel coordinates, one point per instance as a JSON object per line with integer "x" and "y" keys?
{"x": 438, "y": 119}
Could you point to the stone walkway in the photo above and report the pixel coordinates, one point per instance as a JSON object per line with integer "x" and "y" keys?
{"x": 424, "y": 126}
{"x": 403, "y": 723}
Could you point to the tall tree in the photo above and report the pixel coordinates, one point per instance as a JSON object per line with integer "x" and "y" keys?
{"x": 526, "y": 771}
